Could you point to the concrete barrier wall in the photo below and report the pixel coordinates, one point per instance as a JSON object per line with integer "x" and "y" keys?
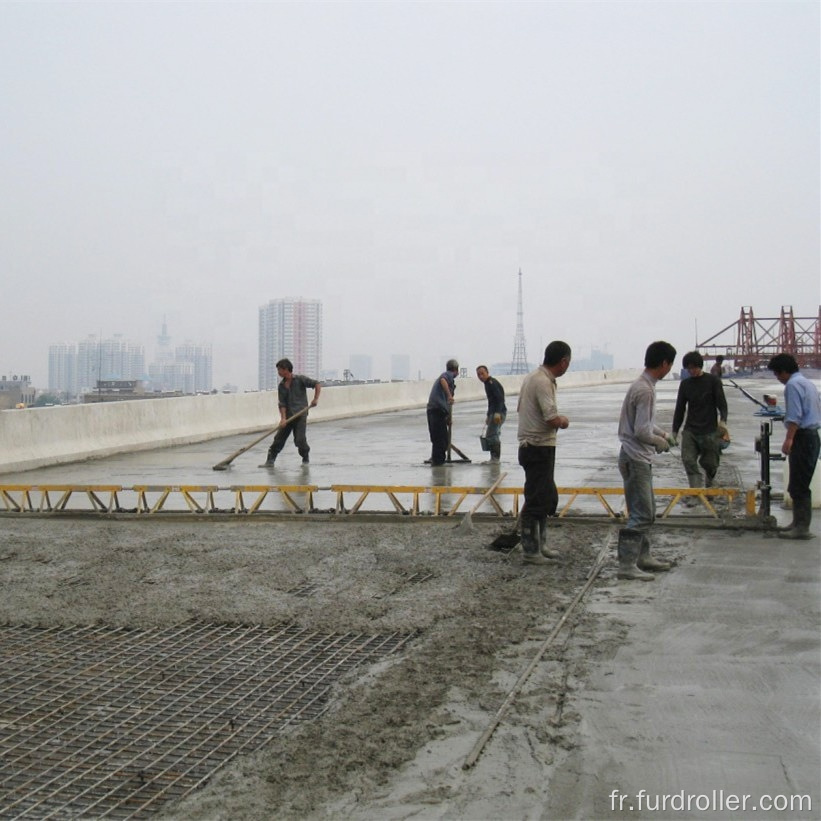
{"x": 35, "y": 437}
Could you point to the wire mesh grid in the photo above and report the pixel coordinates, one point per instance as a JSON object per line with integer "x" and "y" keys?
{"x": 103, "y": 722}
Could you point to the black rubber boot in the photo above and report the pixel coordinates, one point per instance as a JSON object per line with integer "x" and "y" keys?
{"x": 543, "y": 548}
{"x": 629, "y": 550}
{"x": 801, "y": 518}
{"x": 648, "y": 562}
{"x": 530, "y": 542}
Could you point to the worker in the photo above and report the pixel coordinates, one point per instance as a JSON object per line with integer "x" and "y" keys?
{"x": 802, "y": 419}
{"x": 701, "y": 398}
{"x": 292, "y": 398}
{"x": 496, "y": 412}
{"x": 641, "y": 438}
{"x": 539, "y": 423}
{"x": 439, "y": 412}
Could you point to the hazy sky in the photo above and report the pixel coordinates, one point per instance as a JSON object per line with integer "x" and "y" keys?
{"x": 648, "y": 166}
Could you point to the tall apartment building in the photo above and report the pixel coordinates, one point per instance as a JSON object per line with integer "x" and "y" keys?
{"x": 200, "y": 358}
{"x": 62, "y": 369}
{"x": 289, "y": 328}
{"x": 108, "y": 359}
{"x": 186, "y": 369}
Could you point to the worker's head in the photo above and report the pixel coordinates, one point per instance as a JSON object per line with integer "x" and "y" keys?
{"x": 483, "y": 373}
{"x": 452, "y": 366}
{"x": 693, "y": 362}
{"x": 783, "y": 365}
{"x": 285, "y": 365}
{"x": 557, "y": 357}
{"x": 659, "y": 357}
{"x": 719, "y": 359}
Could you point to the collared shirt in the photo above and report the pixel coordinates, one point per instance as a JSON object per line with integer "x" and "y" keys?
{"x": 295, "y": 398}
{"x": 802, "y": 401}
{"x": 438, "y": 399}
{"x": 637, "y": 423}
{"x": 537, "y": 406}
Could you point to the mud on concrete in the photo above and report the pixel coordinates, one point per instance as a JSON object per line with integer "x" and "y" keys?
{"x": 394, "y": 740}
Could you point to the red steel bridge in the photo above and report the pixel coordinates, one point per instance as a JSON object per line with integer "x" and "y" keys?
{"x": 752, "y": 341}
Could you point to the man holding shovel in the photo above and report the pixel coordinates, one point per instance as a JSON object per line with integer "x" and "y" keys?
{"x": 439, "y": 413}
{"x": 293, "y": 398}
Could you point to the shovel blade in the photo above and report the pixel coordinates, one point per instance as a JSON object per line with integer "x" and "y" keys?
{"x": 505, "y": 542}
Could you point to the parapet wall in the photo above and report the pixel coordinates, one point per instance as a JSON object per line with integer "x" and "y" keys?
{"x": 35, "y": 437}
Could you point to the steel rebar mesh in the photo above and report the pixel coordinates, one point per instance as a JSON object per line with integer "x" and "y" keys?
{"x": 112, "y": 722}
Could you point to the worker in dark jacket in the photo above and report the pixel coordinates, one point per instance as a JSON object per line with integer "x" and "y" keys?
{"x": 496, "y": 411}
{"x": 701, "y": 398}
{"x": 292, "y": 399}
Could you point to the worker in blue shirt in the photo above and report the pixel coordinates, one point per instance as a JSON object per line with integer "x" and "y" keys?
{"x": 801, "y": 444}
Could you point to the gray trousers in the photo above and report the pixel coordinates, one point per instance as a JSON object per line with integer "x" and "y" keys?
{"x": 638, "y": 492}
{"x": 700, "y": 451}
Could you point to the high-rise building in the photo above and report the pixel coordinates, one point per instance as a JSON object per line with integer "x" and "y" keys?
{"x": 108, "y": 359}
{"x": 400, "y": 367}
{"x": 200, "y": 359}
{"x": 289, "y": 328}
{"x": 186, "y": 369}
{"x": 62, "y": 369}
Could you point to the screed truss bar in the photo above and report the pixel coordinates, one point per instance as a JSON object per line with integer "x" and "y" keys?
{"x": 109, "y": 722}
{"x": 250, "y": 500}
{"x": 286, "y": 493}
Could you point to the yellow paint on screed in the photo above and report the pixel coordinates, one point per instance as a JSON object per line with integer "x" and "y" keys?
{"x": 248, "y": 499}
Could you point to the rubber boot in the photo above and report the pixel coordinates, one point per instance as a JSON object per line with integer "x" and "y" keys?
{"x": 801, "y": 518}
{"x": 629, "y": 549}
{"x": 530, "y": 542}
{"x": 495, "y": 452}
{"x": 543, "y": 548}
{"x": 647, "y": 561}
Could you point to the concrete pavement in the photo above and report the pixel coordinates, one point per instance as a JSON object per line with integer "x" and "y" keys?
{"x": 716, "y": 688}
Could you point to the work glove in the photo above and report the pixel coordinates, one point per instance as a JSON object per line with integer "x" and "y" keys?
{"x": 497, "y": 418}
{"x": 672, "y": 439}
{"x": 661, "y": 443}
{"x": 723, "y": 432}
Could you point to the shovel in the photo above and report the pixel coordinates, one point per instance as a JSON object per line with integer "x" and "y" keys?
{"x": 466, "y": 525}
{"x": 225, "y": 463}
{"x": 505, "y": 542}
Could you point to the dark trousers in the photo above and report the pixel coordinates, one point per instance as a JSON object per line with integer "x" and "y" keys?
{"x": 438, "y": 429}
{"x": 541, "y": 496}
{"x": 298, "y": 428}
{"x": 803, "y": 459}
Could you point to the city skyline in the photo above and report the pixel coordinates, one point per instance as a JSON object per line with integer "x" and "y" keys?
{"x": 648, "y": 166}
{"x": 76, "y": 368}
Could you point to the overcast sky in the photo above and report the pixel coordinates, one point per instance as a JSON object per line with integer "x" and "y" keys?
{"x": 650, "y": 167}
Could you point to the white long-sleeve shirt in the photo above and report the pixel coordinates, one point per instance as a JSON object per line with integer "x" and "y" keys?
{"x": 638, "y": 431}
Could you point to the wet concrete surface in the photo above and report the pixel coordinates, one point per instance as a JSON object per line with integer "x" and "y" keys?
{"x": 390, "y": 449}
{"x": 714, "y": 690}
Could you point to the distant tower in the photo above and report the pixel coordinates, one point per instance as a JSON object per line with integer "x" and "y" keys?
{"x": 519, "y": 362}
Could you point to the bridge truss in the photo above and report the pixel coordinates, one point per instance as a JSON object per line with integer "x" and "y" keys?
{"x": 752, "y": 341}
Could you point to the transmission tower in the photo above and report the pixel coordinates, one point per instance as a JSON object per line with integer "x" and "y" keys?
{"x": 519, "y": 362}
